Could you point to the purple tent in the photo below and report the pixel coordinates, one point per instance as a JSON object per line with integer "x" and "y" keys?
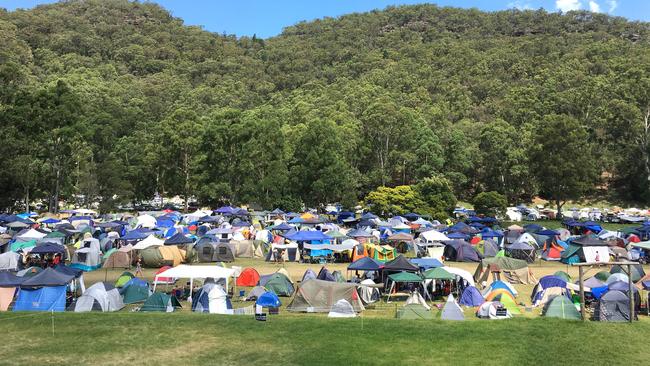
{"x": 471, "y": 297}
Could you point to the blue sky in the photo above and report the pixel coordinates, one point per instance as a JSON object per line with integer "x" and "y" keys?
{"x": 266, "y": 18}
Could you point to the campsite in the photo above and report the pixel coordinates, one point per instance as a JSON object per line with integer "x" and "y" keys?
{"x": 340, "y": 182}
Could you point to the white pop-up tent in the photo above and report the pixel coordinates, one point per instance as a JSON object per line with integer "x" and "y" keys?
{"x": 192, "y": 272}
{"x": 149, "y": 241}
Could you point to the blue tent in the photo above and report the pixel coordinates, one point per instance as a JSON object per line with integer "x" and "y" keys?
{"x": 344, "y": 215}
{"x": 225, "y": 210}
{"x": 178, "y": 239}
{"x": 457, "y": 235}
{"x": 135, "y": 235}
{"x": 547, "y": 232}
{"x": 426, "y": 263}
{"x": 500, "y": 284}
{"x": 277, "y": 211}
{"x": 135, "y": 281}
{"x": 593, "y": 226}
{"x": 282, "y": 227}
{"x": 268, "y": 300}
{"x": 533, "y": 228}
{"x": 49, "y": 298}
{"x": 241, "y": 224}
{"x": 325, "y": 275}
{"x": 489, "y": 233}
{"x": 50, "y": 221}
{"x": 365, "y": 264}
{"x": 471, "y": 297}
{"x": 411, "y": 216}
{"x": 164, "y": 222}
{"x": 69, "y": 271}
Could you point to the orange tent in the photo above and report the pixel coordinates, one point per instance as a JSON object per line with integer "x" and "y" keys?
{"x": 249, "y": 277}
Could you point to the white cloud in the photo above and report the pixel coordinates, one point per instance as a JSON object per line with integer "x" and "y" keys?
{"x": 594, "y": 7}
{"x": 568, "y": 5}
{"x": 520, "y": 5}
{"x": 613, "y": 4}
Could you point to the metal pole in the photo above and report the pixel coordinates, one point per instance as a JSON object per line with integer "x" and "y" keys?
{"x": 583, "y": 311}
{"x": 631, "y": 294}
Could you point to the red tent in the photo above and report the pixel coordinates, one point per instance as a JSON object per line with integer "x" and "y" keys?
{"x": 249, "y": 277}
{"x": 475, "y": 240}
{"x": 633, "y": 238}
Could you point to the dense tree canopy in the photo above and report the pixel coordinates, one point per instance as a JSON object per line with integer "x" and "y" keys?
{"x": 113, "y": 101}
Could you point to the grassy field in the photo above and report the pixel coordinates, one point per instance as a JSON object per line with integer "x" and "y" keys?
{"x": 193, "y": 339}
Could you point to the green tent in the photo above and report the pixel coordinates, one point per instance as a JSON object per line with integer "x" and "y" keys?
{"x": 506, "y": 263}
{"x": 563, "y": 275}
{"x": 55, "y": 234}
{"x": 16, "y": 246}
{"x": 336, "y": 234}
{"x": 133, "y": 294}
{"x": 438, "y": 274}
{"x": 602, "y": 276}
{"x": 123, "y": 279}
{"x": 509, "y": 304}
{"x": 405, "y": 277}
{"x": 561, "y": 307}
{"x": 501, "y": 253}
{"x": 279, "y": 284}
{"x": 160, "y": 302}
{"x": 637, "y": 271}
{"x": 413, "y": 311}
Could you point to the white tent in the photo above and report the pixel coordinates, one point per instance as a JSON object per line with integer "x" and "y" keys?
{"x": 434, "y": 235}
{"x": 84, "y": 211}
{"x": 149, "y": 241}
{"x": 217, "y": 301}
{"x": 146, "y": 221}
{"x": 416, "y": 298}
{"x": 192, "y": 272}
{"x": 31, "y": 234}
{"x": 342, "y": 309}
{"x": 488, "y": 310}
{"x": 99, "y": 297}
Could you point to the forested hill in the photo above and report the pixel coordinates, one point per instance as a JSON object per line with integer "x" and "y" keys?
{"x": 115, "y": 101}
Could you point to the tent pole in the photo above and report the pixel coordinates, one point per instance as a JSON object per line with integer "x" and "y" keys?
{"x": 155, "y": 283}
{"x": 189, "y": 298}
{"x": 583, "y": 311}
{"x": 631, "y": 294}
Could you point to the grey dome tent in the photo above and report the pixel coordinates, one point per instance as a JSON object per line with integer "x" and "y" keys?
{"x": 255, "y": 293}
{"x": 308, "y": 275}
{"x": 223, "y": 253}
{"x": 101, "y": 296}
{"x": 205, "y": 250}
{"x": 613, "y": 306}
{"x": 521, "y": 250}
{"x": 451, "y": 310}
{"x": 461, "y": 251}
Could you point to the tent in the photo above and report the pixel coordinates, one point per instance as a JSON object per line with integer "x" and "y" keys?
{"x": 159, "y": 256}
{"x": 416, "y": 298}
{"x": 586, "y": 249}
{"x": 319, "y": 296}
{"x": 560, "y": 307}
{"x": 223, "y": 253}
{"x": 268, "y": 300}
{"x": 451, "y": 310}
{"x": 400, "y": 264}
{"x": 249, "y": 277}
{"x": 514, "y": 271}
{"x": 47, "y": 298}
{"x": 8, "y": 284}
{"x": 368, "y": 292}
{"x": 159, "y": 301}
{"x": 613, "y": 306}
{"x": 461, "y": 251}
{"x": 413, "y": 311}
{"x": 438, "y": 274}
{"x": 471, "y": 297}
{"x": 120, "y": 258}
{"x": 278, "y": 283}
{"x": 204, "y": 250}
{"x": 9, "y": 261}
{"x": 192, "y": 272}
{"x": 99, "y": 297}
{"x": 365, "y": 264}
{"x": 123, "y": 279}
{"x": 522, "y": 250}
{"x": 48, "y": 277}
{"x": 246, "y": 249}
{"x": 49, "y": 248}
{"x": 505, "y": 298}
{"x": 325, "y": 275}
{"x": 178, "y": 239}
{"x": 492, "y": 310}
{"x": 149, "y": 241}
{"x": 637, "y": 271}
{"x": 255, "y": 293}
{"x": 135, "y": 290}
{"x": 342, "y": 309}
{"x": 211, "y": 299}
{"x": 308, "y": 275}
{"x": 86, "y": 259}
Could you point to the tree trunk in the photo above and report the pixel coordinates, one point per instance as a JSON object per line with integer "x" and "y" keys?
{"x": 27, "y": 199}
{"x": 559, "y": 205}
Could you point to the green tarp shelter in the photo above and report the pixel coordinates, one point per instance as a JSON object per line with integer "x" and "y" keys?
{"x": 413, "y": 311}
{"x": 438, "y": 274}
{"x": 403, "y": 277}
{"x": 561, "y": 307}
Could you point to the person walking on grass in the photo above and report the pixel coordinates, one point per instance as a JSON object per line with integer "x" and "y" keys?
{"x": 138, "y": 267}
